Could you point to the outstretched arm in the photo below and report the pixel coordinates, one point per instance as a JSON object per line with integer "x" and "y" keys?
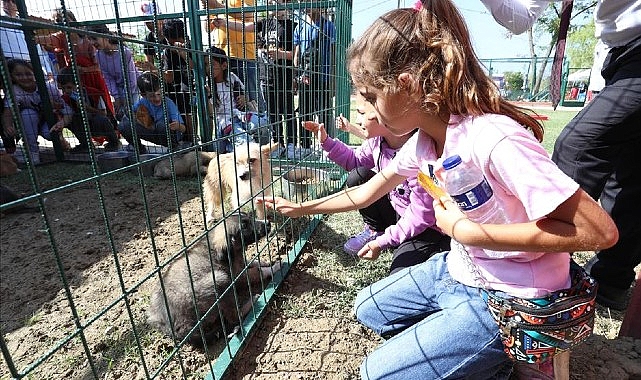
{"x": 353, "y": 198}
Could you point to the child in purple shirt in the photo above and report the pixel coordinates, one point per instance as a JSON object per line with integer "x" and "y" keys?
{"x": 404, "y": 218}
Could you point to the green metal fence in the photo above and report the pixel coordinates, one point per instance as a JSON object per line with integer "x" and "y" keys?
{"x": 84, "y": 236}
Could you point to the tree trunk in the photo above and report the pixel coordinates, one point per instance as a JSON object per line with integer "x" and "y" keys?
{"x": 539, "y": 77}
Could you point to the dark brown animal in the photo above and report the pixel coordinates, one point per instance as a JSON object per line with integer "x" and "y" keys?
{"x": 8, "y": 165}
{"x": 214, "y": 264}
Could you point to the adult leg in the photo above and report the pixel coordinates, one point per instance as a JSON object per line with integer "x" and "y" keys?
{"x": 419, "y": 249}
{"x": 305, "y": 112}
{"x": 440, "y": 327}
{"x": 273, "y": 109}
{"x": 599, "y": 149}
{"x": 246, "y": 71}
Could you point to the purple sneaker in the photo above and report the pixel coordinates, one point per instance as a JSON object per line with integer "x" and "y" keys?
{"x": 357, "y": 242}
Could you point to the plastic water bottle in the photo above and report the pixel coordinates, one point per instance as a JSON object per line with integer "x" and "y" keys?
{"x": 467, "y": 186}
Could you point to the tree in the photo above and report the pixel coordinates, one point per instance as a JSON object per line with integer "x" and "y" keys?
{"x": 580, "y": 46}
{"x": 548, "y": 25}
{"x": 513, "y": 80}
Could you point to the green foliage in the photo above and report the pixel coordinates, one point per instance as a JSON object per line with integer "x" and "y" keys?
{"x": 580, "y": 45}
{"x": 513, "y": 80}
{"x": 548, "y": 23}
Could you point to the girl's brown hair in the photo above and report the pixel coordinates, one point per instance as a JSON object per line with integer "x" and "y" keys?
{"x": 433, "y": 44}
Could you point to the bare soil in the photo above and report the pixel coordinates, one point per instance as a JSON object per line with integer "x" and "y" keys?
{"x": 107, "y": 243}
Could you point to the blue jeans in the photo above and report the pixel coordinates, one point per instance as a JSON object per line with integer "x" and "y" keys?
{"x": 441, "y": 328}
{"x": 229, "y": 136}
{"x": 33, "y": 126}
{"x": 247, "y": 73}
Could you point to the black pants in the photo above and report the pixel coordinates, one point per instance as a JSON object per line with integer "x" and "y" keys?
{"x": 280, "y": 100}
{"x": 315, "y": 99}
{"x": 601, "y": 150}
{"x": 380, "y": 215}
{"x": 99, "y": 126}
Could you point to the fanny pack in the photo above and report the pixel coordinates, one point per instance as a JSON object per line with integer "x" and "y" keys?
{"x": 533, "y": 330}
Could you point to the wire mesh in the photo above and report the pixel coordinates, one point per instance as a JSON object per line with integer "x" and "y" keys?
{"x": 109, "y": 202}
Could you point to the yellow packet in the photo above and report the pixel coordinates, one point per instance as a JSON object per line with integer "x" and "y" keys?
{"x": 430, "y": 186}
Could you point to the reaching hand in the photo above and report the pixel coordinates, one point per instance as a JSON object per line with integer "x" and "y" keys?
{"x": 357, "y": 130}
{"x": 370, "y": 251}
{"x": 315, "y": 128}
{"x": 283, "y": 206}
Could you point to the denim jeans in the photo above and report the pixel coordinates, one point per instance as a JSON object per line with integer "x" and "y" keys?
{"x": 33, "y": 126}
{"x": 441, "y": 328}
{"x": 229, "y": 136}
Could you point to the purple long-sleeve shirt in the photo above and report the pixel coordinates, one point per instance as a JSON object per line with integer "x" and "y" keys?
{"x": 409, "y": 199}
{"x": 111, "y": 68}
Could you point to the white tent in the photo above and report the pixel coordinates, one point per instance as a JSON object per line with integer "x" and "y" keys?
{"x": 580, "y": 76}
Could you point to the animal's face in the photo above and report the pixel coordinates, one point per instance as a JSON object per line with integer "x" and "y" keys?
{"x": 238, "y": 231}
{"x": 248, "y": 161}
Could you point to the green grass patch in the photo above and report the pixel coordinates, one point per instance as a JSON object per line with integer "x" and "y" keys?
{"x": 557, "y": 120}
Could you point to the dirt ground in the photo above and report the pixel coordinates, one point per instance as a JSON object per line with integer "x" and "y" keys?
{"x": 97, "y": 233}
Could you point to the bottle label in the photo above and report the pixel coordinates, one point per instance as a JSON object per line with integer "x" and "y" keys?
{"x": 475, "y": 197}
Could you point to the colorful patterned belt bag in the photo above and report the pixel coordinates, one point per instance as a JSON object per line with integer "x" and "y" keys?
{"x": 535, "y": 329}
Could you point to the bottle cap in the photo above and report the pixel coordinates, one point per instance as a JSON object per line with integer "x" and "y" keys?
{"x": 451, "y": 162}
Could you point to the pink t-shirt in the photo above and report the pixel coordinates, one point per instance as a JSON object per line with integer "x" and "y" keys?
{"x": 526, "y": 183}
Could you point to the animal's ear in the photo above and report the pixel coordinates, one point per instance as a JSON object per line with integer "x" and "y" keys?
{"x": 268, "y": 148}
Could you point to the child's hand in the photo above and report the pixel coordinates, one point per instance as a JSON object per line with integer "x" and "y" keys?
{"x": 342, "y": 123}
{"x": 370, "y": 251}
{"x": 176, "y": 126}
{"x": 315, "y": 128}
{"x": 448, "y": 215}
{"x": 282, "y": 206}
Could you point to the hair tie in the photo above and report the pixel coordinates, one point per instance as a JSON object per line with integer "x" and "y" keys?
{"x": 418, "y": 5}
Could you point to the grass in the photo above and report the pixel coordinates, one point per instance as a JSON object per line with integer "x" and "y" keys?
{"x": 555, "y": 123}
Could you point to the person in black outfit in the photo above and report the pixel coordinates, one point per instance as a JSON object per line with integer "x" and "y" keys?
{"x": 275, "y": 34}
{"x": 177, "y": 71}
{"x": 149, "y": 49}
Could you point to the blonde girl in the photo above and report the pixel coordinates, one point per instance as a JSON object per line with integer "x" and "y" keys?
{"x": 418, "y": 70}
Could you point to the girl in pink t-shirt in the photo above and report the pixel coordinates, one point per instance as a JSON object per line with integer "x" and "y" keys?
{"x": 418, "y": 69}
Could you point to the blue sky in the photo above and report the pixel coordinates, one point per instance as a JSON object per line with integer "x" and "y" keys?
{"x": 490, "y": 39}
